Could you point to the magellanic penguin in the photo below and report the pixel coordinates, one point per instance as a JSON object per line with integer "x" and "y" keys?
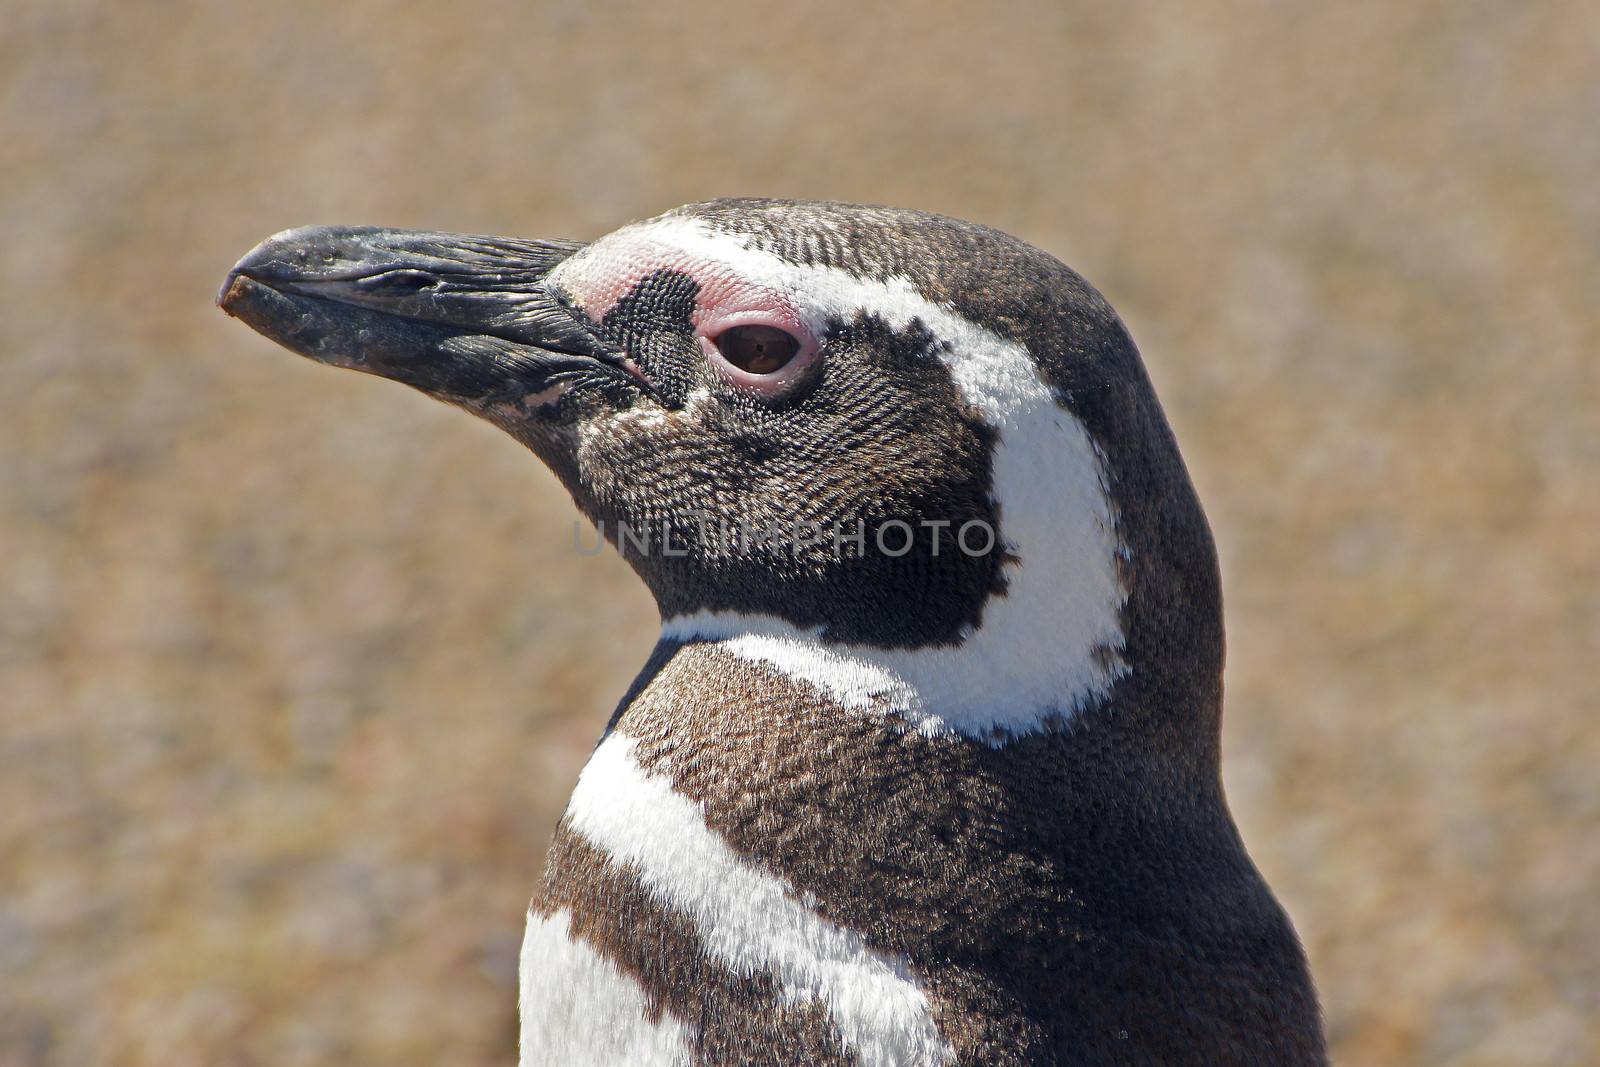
{"x": 924, "y": 769}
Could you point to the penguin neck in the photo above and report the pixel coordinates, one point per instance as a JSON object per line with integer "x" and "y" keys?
{"x": 833, "y": 801}
{"x": 1031, "y": 666}
{"x": 1044, "y": 651}
{"x": 995, "y": 692}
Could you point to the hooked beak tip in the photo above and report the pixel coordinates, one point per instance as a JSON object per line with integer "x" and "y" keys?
{"x": 234, "y": 288}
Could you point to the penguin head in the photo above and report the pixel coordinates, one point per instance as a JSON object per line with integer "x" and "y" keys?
{"x": 874, "y": 430}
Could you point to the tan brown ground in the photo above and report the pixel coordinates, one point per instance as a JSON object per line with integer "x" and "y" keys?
{"x": 297, "y": 668}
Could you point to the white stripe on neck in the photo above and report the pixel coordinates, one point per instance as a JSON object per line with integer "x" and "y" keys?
{"x": 748, "y": 920}
{"x": 1049, "y": 647}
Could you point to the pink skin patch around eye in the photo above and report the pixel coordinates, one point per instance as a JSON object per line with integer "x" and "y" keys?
{"x": 603, "y": 274}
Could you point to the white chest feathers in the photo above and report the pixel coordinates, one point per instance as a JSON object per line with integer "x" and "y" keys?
{"x": 580, "y": 1009}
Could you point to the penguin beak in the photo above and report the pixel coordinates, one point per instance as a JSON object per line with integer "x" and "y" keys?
{"x": 467, "y": 319}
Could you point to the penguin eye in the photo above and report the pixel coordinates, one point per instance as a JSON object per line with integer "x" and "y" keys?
{"x": 760, "y": 351}
{"x": 757, "y": 349}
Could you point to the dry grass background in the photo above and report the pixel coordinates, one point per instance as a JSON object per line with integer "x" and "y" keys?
{"x": 297, "y": 667}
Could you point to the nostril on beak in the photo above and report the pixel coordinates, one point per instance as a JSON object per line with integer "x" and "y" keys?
{"x": 403, "y": 282}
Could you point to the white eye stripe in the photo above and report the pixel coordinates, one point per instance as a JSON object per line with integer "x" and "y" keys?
{"x": 993, "y": 373}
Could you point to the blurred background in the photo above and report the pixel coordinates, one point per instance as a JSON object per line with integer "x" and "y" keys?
{"x": 297, "y": 667}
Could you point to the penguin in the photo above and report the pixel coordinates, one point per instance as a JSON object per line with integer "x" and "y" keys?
{"x": 924, "y": 769}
